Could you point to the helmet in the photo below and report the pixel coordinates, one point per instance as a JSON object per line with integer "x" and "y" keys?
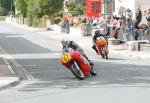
{"x": 65, "y": 42}
{"x": 97, "y": 32}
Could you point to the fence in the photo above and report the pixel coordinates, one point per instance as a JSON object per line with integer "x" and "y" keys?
{"x": 36, "y": 22}
{"x": 130, "y": 35}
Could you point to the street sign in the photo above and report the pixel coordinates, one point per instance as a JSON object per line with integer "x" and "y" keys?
{"x": 93, "y": 8}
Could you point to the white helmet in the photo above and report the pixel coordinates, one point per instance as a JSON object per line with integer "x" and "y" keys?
{"x": 65, "y": 42}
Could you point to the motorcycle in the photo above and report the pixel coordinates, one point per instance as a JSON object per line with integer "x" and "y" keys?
{"x": 77, "y": 64}
{"x": 102, "y": 47}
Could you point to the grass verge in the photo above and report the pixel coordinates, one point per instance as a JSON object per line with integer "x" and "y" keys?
{"x": 2, "y": 18}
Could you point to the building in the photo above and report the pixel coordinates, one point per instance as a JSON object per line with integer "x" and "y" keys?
{"x": 143, "y": 4}
{"x": 108, "y": 7}
{"x": 132, "y": 5}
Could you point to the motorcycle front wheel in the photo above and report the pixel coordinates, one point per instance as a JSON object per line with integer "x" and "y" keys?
{"x": 104, "y": 53}
{"x": 93, "y": 71}
{"x": 77, "y": 71}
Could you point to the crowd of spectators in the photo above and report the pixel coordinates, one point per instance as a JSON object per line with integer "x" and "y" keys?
{"x": 113, "y": 24}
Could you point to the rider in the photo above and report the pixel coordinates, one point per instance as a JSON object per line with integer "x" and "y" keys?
{"x": 96, "y": 35}
{"x": 69, "y": 43}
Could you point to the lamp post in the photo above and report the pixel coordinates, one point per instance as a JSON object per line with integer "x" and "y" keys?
{"x": 104, "y": 3}
{"x": 11, "y": 5}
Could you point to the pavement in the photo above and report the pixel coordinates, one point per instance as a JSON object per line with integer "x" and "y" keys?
{"x": 8, "y": 78}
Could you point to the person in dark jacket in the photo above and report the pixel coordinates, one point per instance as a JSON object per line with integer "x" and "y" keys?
{"x": 138, "y": 18}
{"x": 96, "y": 35}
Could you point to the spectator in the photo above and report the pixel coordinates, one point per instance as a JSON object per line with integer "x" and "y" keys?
{"x": 71, "y": 22}
{"x": 138, "y": 18}
{"x": 129, "y": 25}
{"x": 129, "y": 28}
{"x": 67, "y": 26}
{"x": 144, "y": 20}
{"x": 116, "y": 28}
{"x": 148, "y": 17}
{"x": 84, "y": 20}
{"x": 136, "y": 28}
{"x": 138, "y": 15}
{"x": 123, "y": 17}
{"x": 128, "y": 14}
{"x": 88, "y": 27}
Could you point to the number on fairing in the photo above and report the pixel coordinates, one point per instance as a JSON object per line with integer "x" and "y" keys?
{"x": 66, "y": 58}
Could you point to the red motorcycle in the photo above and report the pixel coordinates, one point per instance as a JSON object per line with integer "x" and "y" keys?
{"x": 102, "y": 47}
{"x": 79, "y": 66}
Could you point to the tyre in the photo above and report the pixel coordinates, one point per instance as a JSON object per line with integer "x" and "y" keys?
{"x": 77, "y": 71}
{"x": 106, "y": 56}
{"x": 104, "y": 53}
{"x": 93, "y": 71}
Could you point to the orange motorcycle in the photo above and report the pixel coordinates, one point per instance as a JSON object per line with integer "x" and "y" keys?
{"x": 102, "y": 47}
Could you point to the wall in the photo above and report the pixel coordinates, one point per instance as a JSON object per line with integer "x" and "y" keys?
{"x": 145, "y": 4}
{"x": 127, "y": 4}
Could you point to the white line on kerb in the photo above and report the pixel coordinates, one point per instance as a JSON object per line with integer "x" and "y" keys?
{"x": 15, "y": 63}
{"x": 10, "y": 68}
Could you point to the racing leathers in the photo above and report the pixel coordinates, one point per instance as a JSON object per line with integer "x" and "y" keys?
{"x": 96, "y": 35}
{"x": 76, "y": 47}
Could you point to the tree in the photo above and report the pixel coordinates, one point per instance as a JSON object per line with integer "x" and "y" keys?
{"x": 50, "y": 7}
{"x": 76, "y": 9}
{"x": 34, "y": 9}
{"x": 3, "y": 7}
{"x": 21, "y": 6}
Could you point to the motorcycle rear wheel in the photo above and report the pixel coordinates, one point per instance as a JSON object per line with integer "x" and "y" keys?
{"x": 77, "y": 72}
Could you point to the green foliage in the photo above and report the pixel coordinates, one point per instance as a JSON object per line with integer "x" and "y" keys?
{"x": 21, "y": 6}
{"x": 3, "y": 7}
{"x": 37, "y": 22}
{"x": 76, "y": 10}
{"x": 30, "y": 20}
{"x": 60, "y": 13}
{"x": 46, "y": 17}
{"x": 33, "y": 10}
{"x": 2, "y": 11}
{"x": 2, "y": 18}
{"x": 57, "y": 20}
{"x": 50, "y": 7}
{"x": 6, "y": 6}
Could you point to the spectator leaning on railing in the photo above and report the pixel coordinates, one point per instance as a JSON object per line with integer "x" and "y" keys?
{"x": 129, "y": 28}
{"x": 138, "y": 17}
{"x": 128, "y": 14}
{"x": 148, "y": 15}
{"x": 129, "y": 25}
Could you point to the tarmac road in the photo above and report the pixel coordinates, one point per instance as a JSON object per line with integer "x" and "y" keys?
{"x": 121, "y": 79}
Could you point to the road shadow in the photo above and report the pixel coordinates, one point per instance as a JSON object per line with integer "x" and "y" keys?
{"x": 15, "y": 44}
{"x": 9, "y": 34}
{"x": 49, "y": 73}
{"x": 112, "y": 58}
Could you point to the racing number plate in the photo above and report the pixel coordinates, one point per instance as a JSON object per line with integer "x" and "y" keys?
{"x": 101, "y": 42}
{"x": 66, "y": 58}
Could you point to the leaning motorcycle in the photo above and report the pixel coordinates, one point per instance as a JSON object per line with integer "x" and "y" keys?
{"x": 102, "y": 47}
{"x": 76, "y": 63}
